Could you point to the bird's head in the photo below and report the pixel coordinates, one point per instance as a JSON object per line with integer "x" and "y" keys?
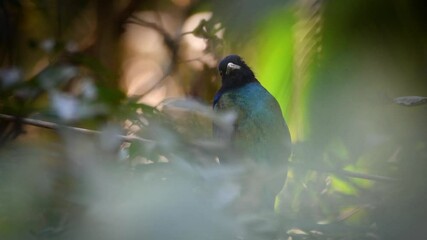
{"x": 234, "y": 72}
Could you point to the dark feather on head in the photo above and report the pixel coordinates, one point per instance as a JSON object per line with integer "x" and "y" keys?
{"x": 235, "y": 77}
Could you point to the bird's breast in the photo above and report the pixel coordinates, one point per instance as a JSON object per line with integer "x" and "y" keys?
{"x": 260, "y": 130}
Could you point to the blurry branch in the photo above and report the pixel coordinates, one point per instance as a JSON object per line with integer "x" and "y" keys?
{"x": 168, "y": 72}
{"x": 55, "y": 126}
{"x": 128, "y": 11}
{"x": 170, "y": 43}
{"x": 168, "y": 39}
{"x": 363, "y": 176}
{"x": 206, "y": 29}
{"x": 197, "y": 59}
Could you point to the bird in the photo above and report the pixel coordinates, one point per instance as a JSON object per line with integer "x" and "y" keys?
{"x": 259, "y": 133}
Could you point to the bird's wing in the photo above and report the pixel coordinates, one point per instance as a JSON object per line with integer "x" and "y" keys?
{"x": 261, "y": 128}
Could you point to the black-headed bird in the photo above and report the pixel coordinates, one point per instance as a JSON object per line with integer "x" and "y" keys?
{"x": 260, "y": 132}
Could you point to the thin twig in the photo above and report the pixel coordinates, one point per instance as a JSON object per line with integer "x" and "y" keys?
{"x": 56, "y": 126}
{"x": 364, "y": 176}
{"x": 346, "y": 173}
{"x": 170, "y": 44}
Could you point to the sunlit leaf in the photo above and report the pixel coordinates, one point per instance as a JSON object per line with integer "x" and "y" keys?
{"x": 343, "y": 187}
{"x": 347, "y": 213}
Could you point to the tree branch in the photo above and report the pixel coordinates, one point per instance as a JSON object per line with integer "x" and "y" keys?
{"x": 56, "y": 126}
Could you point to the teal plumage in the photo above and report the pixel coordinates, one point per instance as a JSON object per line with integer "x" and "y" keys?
{"x": 260, "y": 131}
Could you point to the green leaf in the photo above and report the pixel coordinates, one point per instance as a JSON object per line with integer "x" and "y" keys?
{"x": 341, "y": 186}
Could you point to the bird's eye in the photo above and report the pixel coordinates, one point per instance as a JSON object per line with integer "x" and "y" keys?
{"x": 220, "y": 73}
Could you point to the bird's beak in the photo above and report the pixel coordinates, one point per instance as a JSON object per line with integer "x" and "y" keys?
{"x": 231, "y": 67}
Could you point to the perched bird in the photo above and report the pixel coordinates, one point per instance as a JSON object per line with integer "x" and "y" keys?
{"x": 260, "y": 132}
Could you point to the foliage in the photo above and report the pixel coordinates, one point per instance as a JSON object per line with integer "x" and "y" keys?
{"x": 81, "y": 158}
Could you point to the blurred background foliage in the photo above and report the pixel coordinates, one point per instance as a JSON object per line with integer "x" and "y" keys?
{"x": 105, "y": 119}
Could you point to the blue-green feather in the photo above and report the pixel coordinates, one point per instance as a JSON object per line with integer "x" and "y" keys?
{"x": 260, "y": 132}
